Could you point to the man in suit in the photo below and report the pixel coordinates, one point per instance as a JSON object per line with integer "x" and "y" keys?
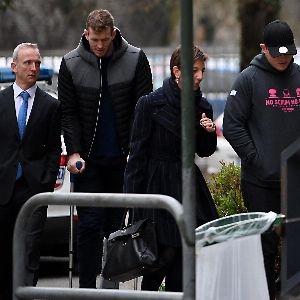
{"x": 29, "y": 159}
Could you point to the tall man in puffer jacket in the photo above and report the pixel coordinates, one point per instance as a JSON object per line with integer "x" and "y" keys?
{"x": 99, "y": 84}
{"x": 261, "y": 119}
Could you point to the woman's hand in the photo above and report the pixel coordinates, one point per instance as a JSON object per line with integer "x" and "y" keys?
{"x": 207, "y": 123}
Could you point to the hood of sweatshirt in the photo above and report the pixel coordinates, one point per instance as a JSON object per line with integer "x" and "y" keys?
{"x": 261, "y": 118}
{"x": 260, "y": 61}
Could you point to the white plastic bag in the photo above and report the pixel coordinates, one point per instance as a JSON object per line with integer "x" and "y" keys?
{"x": 233, "y": 226}
{"x": 231, "y": 270}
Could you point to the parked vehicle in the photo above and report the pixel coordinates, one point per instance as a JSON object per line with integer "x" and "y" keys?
{"x": 55, "y": 240}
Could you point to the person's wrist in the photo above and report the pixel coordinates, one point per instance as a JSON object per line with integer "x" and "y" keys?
{"x": 212, "y": 128}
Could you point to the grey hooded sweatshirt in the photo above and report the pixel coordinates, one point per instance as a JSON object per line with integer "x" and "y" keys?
{"x": 262, "y": 118}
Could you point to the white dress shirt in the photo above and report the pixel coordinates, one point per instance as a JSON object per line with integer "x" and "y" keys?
{"x": 18, "y": 99}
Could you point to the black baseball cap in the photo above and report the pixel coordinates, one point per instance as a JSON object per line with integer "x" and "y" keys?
{"x": 279, "y": 38}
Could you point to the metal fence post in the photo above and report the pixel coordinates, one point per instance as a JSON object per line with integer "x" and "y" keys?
{"x": 290, "y": 207}
{"x": 188, "y": 148}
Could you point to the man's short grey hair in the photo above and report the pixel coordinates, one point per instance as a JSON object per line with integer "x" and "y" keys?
{"x": 23, "y": 46}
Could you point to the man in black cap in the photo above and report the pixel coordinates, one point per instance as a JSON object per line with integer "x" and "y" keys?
{"x": 261, "y": 119}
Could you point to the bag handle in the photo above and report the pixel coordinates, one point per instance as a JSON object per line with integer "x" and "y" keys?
{"x": 127, "y": 210}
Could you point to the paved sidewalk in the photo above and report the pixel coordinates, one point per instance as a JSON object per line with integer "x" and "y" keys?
{"x": 64, "y": 282}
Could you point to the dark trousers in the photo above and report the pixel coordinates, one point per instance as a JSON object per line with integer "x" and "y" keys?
{"x": 96, "y": 222}
{"x": 170, "y": 268}
{"x": 260, "y": 199}
{"x": 8, "y": 216}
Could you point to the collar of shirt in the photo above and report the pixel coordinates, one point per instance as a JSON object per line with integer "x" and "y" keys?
{"x": 18, "y": 99}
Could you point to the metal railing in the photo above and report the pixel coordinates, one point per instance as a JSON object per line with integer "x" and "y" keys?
{"x": 290, "y": 247}
{"x": 98, "y": 200}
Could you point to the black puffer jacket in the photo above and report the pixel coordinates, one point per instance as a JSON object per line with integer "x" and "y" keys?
{"x": 79, "y": 89}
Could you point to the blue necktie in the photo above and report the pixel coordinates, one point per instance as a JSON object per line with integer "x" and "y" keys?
{"x": 22, "y": 123}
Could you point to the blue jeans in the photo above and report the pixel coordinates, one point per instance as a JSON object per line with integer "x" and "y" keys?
{"x": 96, "y": 222}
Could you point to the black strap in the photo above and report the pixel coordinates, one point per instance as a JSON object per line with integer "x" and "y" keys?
{"x": 124, "y": 216}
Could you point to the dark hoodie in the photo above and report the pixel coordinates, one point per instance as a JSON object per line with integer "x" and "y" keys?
{"x": 261, "y": 118}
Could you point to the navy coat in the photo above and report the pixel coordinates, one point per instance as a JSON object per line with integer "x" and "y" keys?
{"x": 154, "y": 165}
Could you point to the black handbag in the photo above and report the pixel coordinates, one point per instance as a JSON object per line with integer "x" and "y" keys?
{"x": 131, "y": 252}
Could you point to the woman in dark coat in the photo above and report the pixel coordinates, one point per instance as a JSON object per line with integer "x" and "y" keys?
{"x": 154, "y": 165}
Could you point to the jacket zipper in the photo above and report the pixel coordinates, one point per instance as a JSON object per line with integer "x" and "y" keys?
{"x": 96, "y": 124}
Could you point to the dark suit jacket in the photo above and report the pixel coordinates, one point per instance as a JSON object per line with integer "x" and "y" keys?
{"x": 39, "y": 150}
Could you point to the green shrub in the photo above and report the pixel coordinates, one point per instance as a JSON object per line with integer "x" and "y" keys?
{"x": 225, "y": 189}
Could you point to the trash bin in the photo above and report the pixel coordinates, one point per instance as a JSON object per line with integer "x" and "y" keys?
{"x": 229, "y": 259}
